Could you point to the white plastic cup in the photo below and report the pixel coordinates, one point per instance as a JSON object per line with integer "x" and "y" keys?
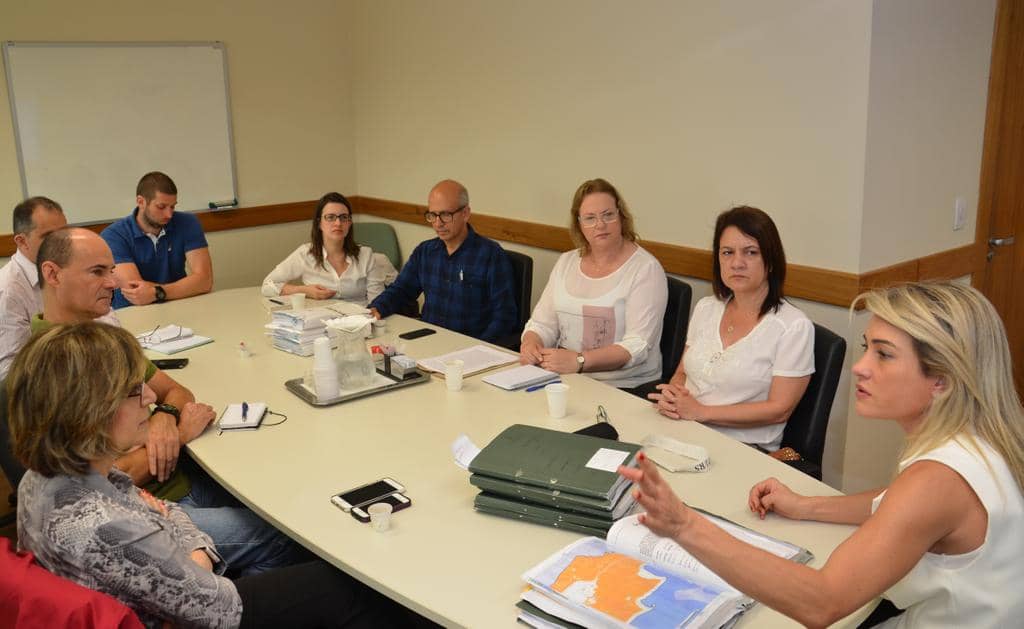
{"x": 380, "y": 516}
{"x": 558, "y": 399}
{"x": 453, "y": 374}
{"x": 322, "y": 352}
{"x": 380, "y": 327}
{"x": 298, "y": 301}
{"x": 325, "y": 381}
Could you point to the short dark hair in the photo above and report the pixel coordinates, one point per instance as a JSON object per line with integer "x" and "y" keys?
{"x": 154, "y": 182}
{"x": 23, "y": 213}
{"x": 56, "y": 248}
{"x": 759, "y": 226}
{"x": 316, "y": 237}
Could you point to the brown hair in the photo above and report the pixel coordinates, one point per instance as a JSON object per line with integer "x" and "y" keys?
{"x": 316, "y": 237}
{"x": 758, "y": 225}
{"x": 154, "y": 182}
{"x": 64, "y": 387}
{"x": 594, "y": 186}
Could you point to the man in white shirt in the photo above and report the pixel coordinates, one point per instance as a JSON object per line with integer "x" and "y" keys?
{"x": 20, "y": 293}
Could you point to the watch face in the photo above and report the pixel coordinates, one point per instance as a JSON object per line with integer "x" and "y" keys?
{"x": 160, "y": 293}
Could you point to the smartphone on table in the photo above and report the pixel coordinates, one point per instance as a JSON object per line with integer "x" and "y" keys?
{"x": 170, "y": 363}
{"x": 366, "y": 494}
{"x": 415, "y": 334}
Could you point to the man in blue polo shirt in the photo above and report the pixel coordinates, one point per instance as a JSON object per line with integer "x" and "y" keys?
{"x": 466, "y": 279}
{"x": 152, "y": 245}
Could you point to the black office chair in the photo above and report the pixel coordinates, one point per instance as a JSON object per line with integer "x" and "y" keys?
{"x": 522, "y": 275}
{"x": 12, "y": 468}
{"x": 807, "y": 426}
{"x": 673, "y": 334}
{"x": 674, "y": 325}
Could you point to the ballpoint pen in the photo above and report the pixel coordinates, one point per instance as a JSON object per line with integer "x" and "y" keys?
{"x": 245, "y": 411}
{"x": 538, "y": 387}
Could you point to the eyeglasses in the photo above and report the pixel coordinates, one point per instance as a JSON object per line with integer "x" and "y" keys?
{"x": 344, "y": 218}
{"x": 606, "y": 217}
{"x": 161, "y": 335}
{"x": 136, "y": 391}
{"x": 445, "y": 217}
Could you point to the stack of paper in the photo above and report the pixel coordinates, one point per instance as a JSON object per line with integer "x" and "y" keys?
{"x": 520, "y": 377}
{"x": 294, "y": 331}
{"x": 641, "y": 580}
{"x": 559, "y": 479}
{"x": 475, "y": 359}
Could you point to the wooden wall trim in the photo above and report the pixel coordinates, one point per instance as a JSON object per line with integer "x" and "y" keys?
{"x": 837, "y": 288}
{"x": 217, "y": 220}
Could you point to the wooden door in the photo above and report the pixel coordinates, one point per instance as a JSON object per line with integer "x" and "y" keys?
{"x": 1001, "y": 199}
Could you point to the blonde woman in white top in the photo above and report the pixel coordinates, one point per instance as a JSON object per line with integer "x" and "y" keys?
{"x": 942, "y": 541}
{"x": 332, "y": 265}
{"x": 749, "y": 353}
{"x": 602, "y": 309}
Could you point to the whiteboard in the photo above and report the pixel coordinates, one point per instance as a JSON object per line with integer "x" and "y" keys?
{"x": 91, "y": 118}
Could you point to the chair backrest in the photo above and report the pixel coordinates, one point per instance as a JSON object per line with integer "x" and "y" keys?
{"x": 807, "y": 426}
{"x": 522, "y": 274}
{"x": 381, "y": 238}
{"x": 12, "y": 468}
{"x": 675, "y": 323}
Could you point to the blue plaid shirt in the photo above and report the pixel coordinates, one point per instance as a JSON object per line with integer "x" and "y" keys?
{"x": 470, "y": 291}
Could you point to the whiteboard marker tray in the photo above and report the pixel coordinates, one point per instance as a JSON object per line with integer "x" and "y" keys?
{"x": 381, "y": 383}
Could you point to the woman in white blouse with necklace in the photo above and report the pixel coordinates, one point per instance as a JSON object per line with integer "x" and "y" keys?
{"x": 602, "y": 309}
{"x": 332, "y": 265}
{"x": 749, "y": 352}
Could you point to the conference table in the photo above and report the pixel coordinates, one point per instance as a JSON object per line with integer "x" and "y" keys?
{"x": 440, "y": 557}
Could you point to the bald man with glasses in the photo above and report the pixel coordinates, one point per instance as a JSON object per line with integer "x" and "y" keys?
{"x": 466, "y": 279}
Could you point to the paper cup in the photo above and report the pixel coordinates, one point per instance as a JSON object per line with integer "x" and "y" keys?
{"x": 453, "y": 374}
{"x": 380, "y": 516}
{"x": 558, "y": 399}
{"x": 298, "y": 301}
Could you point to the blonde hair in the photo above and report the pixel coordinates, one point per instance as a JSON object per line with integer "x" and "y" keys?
{"x": 594, "y": 186}
{"x": 958, "y": 336}
{"x": 63, "y": 389}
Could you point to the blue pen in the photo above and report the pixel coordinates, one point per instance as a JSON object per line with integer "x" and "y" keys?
{"x": 538, "y": 387}
{"x": 245, "y": 411}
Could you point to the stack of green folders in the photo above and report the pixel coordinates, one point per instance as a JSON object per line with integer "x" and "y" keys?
{"x": 554, "y": 478}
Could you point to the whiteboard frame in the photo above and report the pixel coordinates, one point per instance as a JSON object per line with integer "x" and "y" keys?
{"x": 219, "y": 45}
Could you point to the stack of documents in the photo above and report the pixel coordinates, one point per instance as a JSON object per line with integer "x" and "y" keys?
{"x": 294, "y": 331}
{"x": 475, "y": 359}
{"x": 559, "y": 479}
{"x": 642, "y": 580}
{"x": 520, "y": 377}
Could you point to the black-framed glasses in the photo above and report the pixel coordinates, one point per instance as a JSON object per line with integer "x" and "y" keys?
{"x": 331, "y": 218}
{"x": 444, "y": 217}
{"x": 604, "y": 217}
{"x": 136, "y": 391}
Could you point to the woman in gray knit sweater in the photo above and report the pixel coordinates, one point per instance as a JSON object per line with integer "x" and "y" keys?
{"x": 77, "y": 402}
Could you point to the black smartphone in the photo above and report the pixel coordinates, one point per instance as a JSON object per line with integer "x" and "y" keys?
{"x": 170, "y": 363}
{"x": 397, "y": 502}
{"x": 415, "y": 334}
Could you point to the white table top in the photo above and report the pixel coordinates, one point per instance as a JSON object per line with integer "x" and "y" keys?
{"x": 449, "y": 563}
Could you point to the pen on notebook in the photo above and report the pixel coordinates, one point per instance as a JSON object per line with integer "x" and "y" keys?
{"x": 538, "y": 387}
{"x": 245, "y": 411}
{"x": 277, "y": 301}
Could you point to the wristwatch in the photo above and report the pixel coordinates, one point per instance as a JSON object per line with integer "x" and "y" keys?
{"x": 579, "y": 362}
{"x": 170, "y": 409}
{"x": 161, "y": 294}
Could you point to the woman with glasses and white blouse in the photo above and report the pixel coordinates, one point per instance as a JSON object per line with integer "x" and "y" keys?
{"x": 602, "y": 309}
{"x": 332, "y": 265}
